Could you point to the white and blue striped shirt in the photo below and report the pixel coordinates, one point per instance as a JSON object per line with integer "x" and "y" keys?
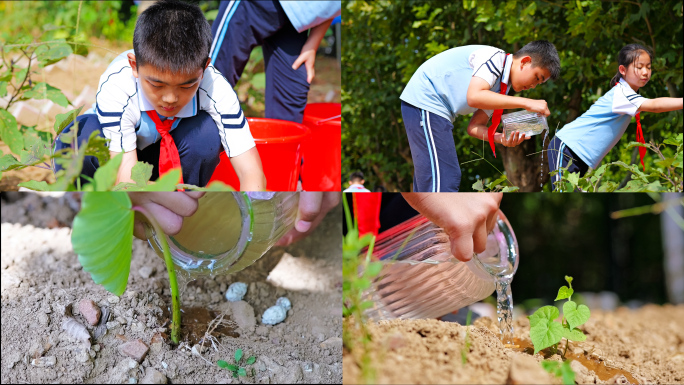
{"x": 597, "y": 131}
{"x": 120, "y": 103}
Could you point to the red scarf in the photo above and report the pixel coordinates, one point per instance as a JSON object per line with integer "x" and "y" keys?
{"x": 168, "y": 152}
{"x": 496, "y": 118}
{"x": 639, "y": 137}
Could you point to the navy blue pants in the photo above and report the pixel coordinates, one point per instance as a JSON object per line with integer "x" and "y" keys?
{"x": 435, "y": 163}
{"x": 242, "y": 25}
{"x": 556, "y": 161}
{"x": 196, "y": 138}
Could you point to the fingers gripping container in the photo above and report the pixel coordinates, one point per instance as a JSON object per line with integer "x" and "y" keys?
{"x": 229, "y": 231}
{"x": 528, "y": 123}
{"x": 422, "y": 279}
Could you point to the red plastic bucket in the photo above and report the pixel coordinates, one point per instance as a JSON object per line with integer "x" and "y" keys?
{"x": 322, "y": 151}
{"x": 279, "y": 145}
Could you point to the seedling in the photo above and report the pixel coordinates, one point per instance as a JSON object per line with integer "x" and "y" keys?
{"x": 562, "y": 371}
{"x": 545, "y": 331}
{"x": 236, "y": 369}
{"x": 466, "y": 348}
{"x": 102, "y": 236}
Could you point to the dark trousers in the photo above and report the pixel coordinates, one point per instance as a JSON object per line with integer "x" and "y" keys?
{"x": 560, "y": 155}
{"x": 435, "y": 163}
{"x": 196, "y": 138}
{"x": 242, "y": 25}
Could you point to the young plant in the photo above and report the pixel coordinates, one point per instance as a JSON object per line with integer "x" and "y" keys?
{"x": 545, "y": 331}
{"x": 562, "y": 371}
{"x": 102, "y": 236}
{"x": 466, "y": 348}
{"x": 236, "y": 369}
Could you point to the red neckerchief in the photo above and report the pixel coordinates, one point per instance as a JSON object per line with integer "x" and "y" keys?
{"x": 496, "y": 118}
{"x": 639, "y": 137}
{"x": 168, "y": 152}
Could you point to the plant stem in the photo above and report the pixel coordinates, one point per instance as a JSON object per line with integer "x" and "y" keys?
{"x": 567, "y": 342}
{"x": 173, "y": 282}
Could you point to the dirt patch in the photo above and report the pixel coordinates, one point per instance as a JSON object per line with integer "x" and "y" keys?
{"x": 644, "y": 346}
{"x": 41, "y": 276}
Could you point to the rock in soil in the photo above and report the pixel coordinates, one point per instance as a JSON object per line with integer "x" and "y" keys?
{"x": 136, "y": 349}
{"x": 90, "y": 311}
{"x": 153, "y": 376}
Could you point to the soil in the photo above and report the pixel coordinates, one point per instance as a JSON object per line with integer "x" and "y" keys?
{"x": 41, "y": 276}
{"x": 645, "y": 345}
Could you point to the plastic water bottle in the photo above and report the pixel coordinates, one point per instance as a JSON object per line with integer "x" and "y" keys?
{"x": 528, "y": 123}
{"x": 229, "y": 231}
{"x": 422, "y": 279}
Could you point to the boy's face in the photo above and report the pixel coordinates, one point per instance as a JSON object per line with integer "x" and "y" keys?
{"x": 524, "y": 76}
{"x": 168, "y": 92}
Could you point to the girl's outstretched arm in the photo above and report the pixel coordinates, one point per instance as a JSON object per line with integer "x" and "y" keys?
{"x": 661, "y": 105}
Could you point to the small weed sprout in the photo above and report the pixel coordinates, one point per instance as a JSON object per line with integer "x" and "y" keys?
{"x": 545, "y": 332}
{"x": 466, "y": 348}
{"x": 236, "y": 369}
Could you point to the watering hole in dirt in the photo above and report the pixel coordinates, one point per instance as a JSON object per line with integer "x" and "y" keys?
{"x": 41, "y": 276}
{"x": 645, "y": 345}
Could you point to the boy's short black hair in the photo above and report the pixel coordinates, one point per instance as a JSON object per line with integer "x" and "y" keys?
{"x": 172, "y": 36}
{"x": 543, "y": 54}
{"x": 356, "y": 175}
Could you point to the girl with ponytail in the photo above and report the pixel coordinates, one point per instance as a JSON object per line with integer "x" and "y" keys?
{"x": 586, "y": 140}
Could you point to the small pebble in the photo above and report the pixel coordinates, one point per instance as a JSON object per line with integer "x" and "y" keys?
{"x": 273, "y": 315}
{"x": 44, "y": 361}
{"x": 236, "y": 291}
{"x": 112, "y": 324}
{"x": 284, "y": 303}
{"x": 96, "y": 347}
{"x": 90, "y": 311}
{"x": 146, "y": 271}
{"x": 113, "y": 299}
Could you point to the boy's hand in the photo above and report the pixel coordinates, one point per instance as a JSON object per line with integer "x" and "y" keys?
{"x": 466, "y": 217}
{"x": 168, "y": 208}
{"x": 313, "y": 206}
{"x": 538, "y": 106}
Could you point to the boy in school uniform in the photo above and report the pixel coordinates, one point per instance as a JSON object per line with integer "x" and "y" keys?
{"x": 163, "y": 103}
{"x": 289, "y": 33}
{"x": 463, "y": 80}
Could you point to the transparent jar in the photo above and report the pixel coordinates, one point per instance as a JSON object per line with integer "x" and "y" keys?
{"x": 528, "y": 123}
{"x": 229, "y": 231}
{"x": 422, "y": 279}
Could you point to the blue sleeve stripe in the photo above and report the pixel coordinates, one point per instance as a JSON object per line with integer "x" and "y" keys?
{"x": 498, "y": 74}
{"x": 490, "y": 70}
{"x": 111, "y": 124}
{"x": 242, "y": 124}
{"x": 632, "y": 97}
{"x": 99, "y": 111}
{"x": 231, "y": 116}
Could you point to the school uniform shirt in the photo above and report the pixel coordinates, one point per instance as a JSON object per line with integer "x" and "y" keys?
{"x": 355, "y": 187}
{"x": 592, "y": 135}
{"x": 120, "y": 105}
{"x": 440, "y": 85}
{"x": 307, "y": 14}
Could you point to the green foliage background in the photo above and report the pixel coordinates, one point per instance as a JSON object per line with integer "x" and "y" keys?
{"x": 386, "y": 41}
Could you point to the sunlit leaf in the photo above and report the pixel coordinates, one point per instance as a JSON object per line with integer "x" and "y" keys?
{"x": 9, "y": 132}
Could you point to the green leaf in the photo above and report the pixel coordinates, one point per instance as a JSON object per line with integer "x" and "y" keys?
{"x": 567, "y": 374}
{"x": 211, "y": 15}
{"x": 102, "y": 236}
{"x": 477, "y": 186}
{"x": 568, "y": 279}
{"x": 575, "y": 315}
{"x": 9, "y": 132}
{"x": 3, "y": 89}
{"x": 544, "y": 331}
{"x": 35, "y": 185}
{"x": 97, "y": 147}
{"x": 105, "y": 176}
{"x": 141, "y": 173}
{"x": 63, "y": 120}
{"x": 167, "y": 182}
{"x": 251, "y": 360}
{"x": 258, "y": 80}
{"x": 563, "y": 293}
{"x": 676, "y": 141}
{"x": 544, "y": 313}
{"x": 222, "y": 364}
{"x": 8, "y": 162}
{"x": 51, "y": 53}
{"x": 573, "y": 177}
{"x": 43, "y": 90}
{"x": 238, "y": 356}
{"x": 373, "y": 269}
{"x": 242, "y": 372}
{"x": 574, "y": 334}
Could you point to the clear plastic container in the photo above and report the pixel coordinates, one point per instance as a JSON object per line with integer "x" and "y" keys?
{"x": 422, "y": 279}
{"x": 528, "y": 123}
{"x": 229, "y": 231}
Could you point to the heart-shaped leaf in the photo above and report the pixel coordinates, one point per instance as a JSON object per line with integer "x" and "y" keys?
{"x": 544, "y": 313}
{"x": 563, "y": 293}
{"x": 576, "y": 315}
{"x": 545, "y": 333}
{"x": 102, "y": 236}
{"x": 574, "y": 334}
